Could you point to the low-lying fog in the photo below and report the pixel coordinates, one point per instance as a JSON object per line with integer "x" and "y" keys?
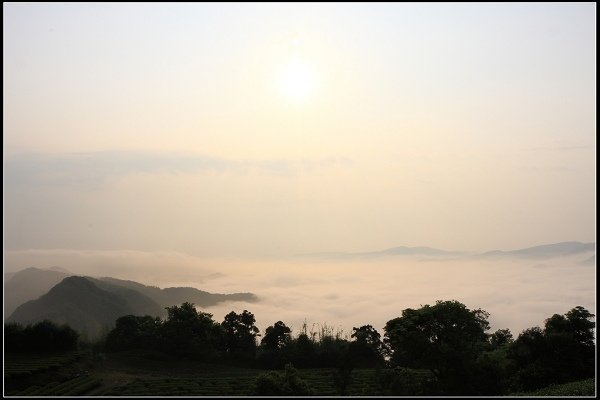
{"x": 518, "y": 294}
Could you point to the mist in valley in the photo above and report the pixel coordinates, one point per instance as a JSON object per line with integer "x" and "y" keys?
{"x": 346, "y": 293}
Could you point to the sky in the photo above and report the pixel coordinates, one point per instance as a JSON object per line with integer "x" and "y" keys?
{"x": 270, "y": 130}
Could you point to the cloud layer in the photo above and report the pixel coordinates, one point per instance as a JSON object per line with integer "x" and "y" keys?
{"x": 518, "y": 294}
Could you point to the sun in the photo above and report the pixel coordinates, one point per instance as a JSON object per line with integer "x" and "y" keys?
{"x": 297, "y": 80}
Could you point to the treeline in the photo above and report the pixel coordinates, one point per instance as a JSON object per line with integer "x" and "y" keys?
{"x": 447, "y": 340}
{"x": 44, "y": 336}
{"x": 441, "y": 349}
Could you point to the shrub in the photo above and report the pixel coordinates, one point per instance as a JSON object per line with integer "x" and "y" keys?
{"x": 275, "y": 383}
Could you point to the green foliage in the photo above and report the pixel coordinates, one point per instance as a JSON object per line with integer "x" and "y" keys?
{"x": 275, "y": 383}
{"x": 436, "y": 350}
{"x": 490, "y": 373}
{"x": 585, "y": 387}
{"x": 400, "y": 381}
{"x": 563, "y": 351}
{"x": 445, "y": 338}
{"x": 274, "y": 352}
{"x": 302, "y": 351}
{"x": 276, "y": 336}
{"x": 580, "y": 326}
{"x": 190, "y": 333}
{"x": 367, "y": 350}
{"x": 44, "y": 336}
{"x": 501, "y": 337}
{"x": 239, "y": 332}
{"x": 133, "y": 332}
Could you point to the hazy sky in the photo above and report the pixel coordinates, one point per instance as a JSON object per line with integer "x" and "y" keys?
{"x": 276, "y": 129}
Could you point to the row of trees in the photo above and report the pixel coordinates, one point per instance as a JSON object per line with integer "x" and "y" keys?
{"x": 451, "y": 341}
{"x": 44, "y": 336}
{"x": 189, "y": 333}
{"x": 446, "y": 339}
{"x": 440, "y": 349}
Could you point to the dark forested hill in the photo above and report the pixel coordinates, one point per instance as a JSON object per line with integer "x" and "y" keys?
{"x": 29, "y": 284}
{"x": 177, "y": 295}
{"x": 76, "y": 301}
{"x": 91, "y": 305}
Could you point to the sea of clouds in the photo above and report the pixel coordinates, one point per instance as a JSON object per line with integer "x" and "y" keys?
{"x": 342, "y": 294}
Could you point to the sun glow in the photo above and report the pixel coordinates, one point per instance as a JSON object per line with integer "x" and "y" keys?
{"x": 297, "y": 80}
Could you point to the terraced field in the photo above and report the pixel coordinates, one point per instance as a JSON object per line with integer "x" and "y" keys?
{"x": 132, "y": 374}
{"x": 579, "y": 388}
{"x": 321, "y": 380}
{"x": 22, "y": 365}
{"x": 62, "y": 374}
{"x": 72, "y": 387}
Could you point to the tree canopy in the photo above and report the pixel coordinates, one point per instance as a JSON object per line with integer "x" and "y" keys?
{"x": 444, "y": 338}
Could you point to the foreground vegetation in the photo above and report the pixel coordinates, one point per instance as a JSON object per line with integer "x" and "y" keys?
{"x": 442, "y": 349}
{"x": 585, "y": 387}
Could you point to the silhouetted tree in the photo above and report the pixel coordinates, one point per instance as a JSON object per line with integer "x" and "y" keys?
{"x": 274, "y": 351}
{"x": 188, "y": 332}
{"x": 367, "y": 349}
{"x": 490, "y": 373}
{"x": 132, "y": 332}
{"x": 240, "y": 332}
{"x": 44, "y": 336}
{"x": 501, "y": 337}
{"x": 303, "y": 351}
{"x": 14, "y": 339}
{"x": 580, "y": 325}
{"x": 563, "y": 351}
{"x": 445, "y": 338}
{"x": 276, "y": 336}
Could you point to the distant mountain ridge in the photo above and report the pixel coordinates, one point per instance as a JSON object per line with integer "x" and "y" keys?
{"x": 547, "y": 250}
{"x": 542, "y": 251}
{"x": 393, "y": 251}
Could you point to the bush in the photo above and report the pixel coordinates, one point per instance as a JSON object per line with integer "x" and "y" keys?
{"x": 407, "y": 382}
{"x": 275, "y": 383}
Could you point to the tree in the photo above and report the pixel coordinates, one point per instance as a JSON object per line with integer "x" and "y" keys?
{"x": 367, "y": 349}
{"x": 303, "y": 352}
{"x": 563, "y": 351}
{"x": 188, "y": 332}
{"x": 132, "y": 331}
{"x": 14, "y": 340}
{"x": 44, "y": 336}
{"x": 240, "y": 332}
{"x": 276, "y": 336}
{"x": 501, "y": 337}
{"x": 368, "y": 335}
{"x": 275, "y": 346}
{"x": 580, "y": 325}
{"x": 445, "y": 338}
